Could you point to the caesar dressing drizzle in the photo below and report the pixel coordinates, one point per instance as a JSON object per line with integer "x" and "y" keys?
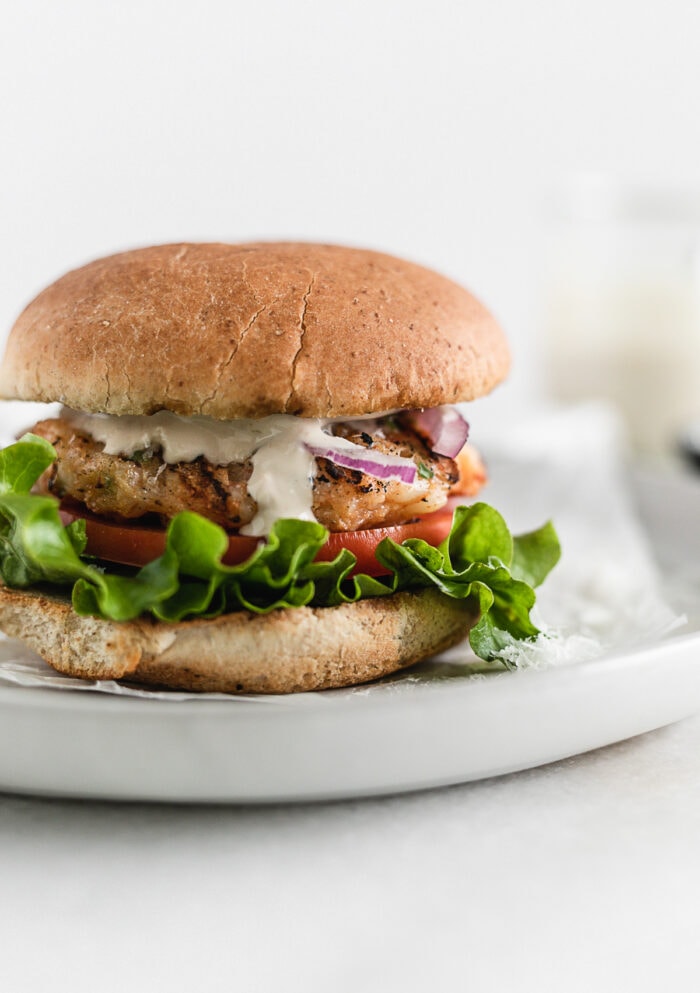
{"x": 283, "y": 467}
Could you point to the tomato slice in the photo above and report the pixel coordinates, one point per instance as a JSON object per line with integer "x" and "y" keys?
{"x": 432, "y": 528}
{"x": 137, "y": 545}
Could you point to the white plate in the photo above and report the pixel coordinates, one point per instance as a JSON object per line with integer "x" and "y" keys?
{"x": 392, "y": 738}
{"x": 406, "y": 734}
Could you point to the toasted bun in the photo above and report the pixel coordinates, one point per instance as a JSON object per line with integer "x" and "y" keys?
{"x": 286, "y": 651}
{"x": 249, "y": 330}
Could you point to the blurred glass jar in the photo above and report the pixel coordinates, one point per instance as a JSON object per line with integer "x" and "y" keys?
{"x": 622, "y": 305}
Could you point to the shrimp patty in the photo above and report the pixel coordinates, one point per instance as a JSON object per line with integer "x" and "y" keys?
{"x": 125, "y": 488}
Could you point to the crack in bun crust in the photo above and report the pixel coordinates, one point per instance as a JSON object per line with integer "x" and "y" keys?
{"x": 231, "y": 331}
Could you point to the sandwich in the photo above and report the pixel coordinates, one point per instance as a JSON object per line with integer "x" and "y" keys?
{"x": 258, "y": 480}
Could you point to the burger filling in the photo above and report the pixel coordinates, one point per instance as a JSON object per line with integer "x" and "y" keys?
{"x": 244, "y": 475}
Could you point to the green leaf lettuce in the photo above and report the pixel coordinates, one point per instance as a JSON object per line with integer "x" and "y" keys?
{"x": 479, "y": 559}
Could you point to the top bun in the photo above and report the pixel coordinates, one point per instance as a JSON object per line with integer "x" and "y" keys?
{"x": 248, "y": 330}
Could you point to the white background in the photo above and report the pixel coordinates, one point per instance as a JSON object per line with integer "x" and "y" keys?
{"x": 433, "y": 130}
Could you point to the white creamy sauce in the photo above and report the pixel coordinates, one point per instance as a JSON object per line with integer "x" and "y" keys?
{"x": 283, "y": 470}
{"x": 283, "y": 467}
{"x": 181, "y": 439}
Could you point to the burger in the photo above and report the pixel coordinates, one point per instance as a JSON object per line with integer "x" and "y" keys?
{"x": 258, "y": 481}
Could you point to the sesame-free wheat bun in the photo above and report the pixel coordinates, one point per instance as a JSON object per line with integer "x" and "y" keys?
{"x": 230, "y": 331}
{"x": 286, "y": 651}
{"x": 233, "y": 333}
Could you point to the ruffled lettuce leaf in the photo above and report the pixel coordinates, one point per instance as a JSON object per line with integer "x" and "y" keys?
{"x": 479, "y": 560}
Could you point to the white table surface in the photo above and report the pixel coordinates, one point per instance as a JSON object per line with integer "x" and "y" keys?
{"x": 582, "y": 875}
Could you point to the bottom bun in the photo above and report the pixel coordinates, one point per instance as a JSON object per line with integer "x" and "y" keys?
{"x": 286, "y": 651}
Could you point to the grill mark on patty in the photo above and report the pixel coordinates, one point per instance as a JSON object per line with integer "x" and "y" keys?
{"x": 343, "y": 499}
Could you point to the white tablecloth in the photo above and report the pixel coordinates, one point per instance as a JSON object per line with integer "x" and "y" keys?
{"x": 583, "y": 875}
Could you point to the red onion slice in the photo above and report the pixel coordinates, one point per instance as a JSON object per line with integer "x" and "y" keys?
{"x": 373, "y": 464}
{"x": 444, "y": 428}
